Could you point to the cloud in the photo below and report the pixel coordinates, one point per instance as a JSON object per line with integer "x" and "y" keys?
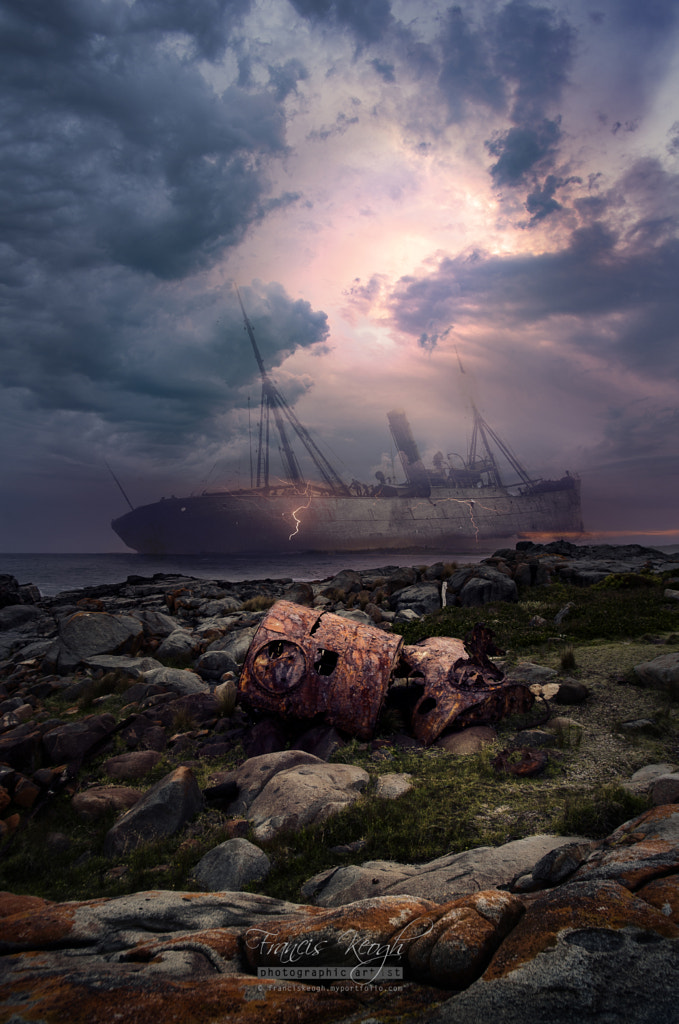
{"x": 285, "y": 77}
{"x": 381, "y": 162}
{"x": 534, "y": 51}
{"x": 119, "y": 151}
{"x": 206, "y": 22}
{"x": 384, "y": 69}
{"x": 368, "y": 20}
{"x": 521, "y": 151}
{"x": 616, "y": 290}
{"x": 167, "y": 367}
{"x": 467, "y": 73}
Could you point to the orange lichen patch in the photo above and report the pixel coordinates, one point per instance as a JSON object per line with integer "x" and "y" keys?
{"x": 663, "y": 893}
{"x": 11, "y": 904}
{"x": 331, "y": 934}
{"x": 631, "y": 866}
{"x": 100, "y": 999}
{"x": 38, "y": 926}
{"x": 576, "y": 905}
{"x": 656, "y": 822}
{"x": 454, "y": 949}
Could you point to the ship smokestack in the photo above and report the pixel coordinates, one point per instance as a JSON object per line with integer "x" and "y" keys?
{"x": 413, "y": 467}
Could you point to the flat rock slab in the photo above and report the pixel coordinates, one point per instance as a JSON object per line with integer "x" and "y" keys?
{"x": 529, "y": 672}
{"x": 440, "y": 879}
{"x": 586, "y": 950}
{"x": 88, "y": 633}
{"x": 134, "y": 667}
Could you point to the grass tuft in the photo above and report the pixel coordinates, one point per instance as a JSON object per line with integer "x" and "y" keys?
{"x": 567, "y": 660}
{"x": 596, "y": 814}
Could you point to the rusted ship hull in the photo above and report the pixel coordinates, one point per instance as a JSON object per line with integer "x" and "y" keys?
{"x": 251, "y": 521}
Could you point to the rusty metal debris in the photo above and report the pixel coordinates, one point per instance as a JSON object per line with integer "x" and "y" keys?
{"x": 303, "y": 663}
{"x": 524, "y": 762}
{"x": 457, "y": 689}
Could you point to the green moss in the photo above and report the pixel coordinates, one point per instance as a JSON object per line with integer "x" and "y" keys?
{"x": 609, "y": 613}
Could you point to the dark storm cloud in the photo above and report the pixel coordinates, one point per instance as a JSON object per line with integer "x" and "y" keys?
{"x": 164, "y": 366}
{"x": 466, "y": 72}
{"x": 207, "y": 22}
{"x": 534, "y": 50}
{"x": 515, "y": 60}
{"x": 520, "y": 151}
{"x": 512, "y": 60}
{"x": 118, "y": 150}
{"x": 367, "y": 19}
{"x": 673, "y": 139}
{"x": 285, "y": 77}
{"x": 385, "y": 69}
{"x": 123, "y": 171}
{"x": 652, "y": 17}
{"x": 541, "y": 202}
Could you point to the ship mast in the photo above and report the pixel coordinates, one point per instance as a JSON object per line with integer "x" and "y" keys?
{"x": 273, "y": 403}
{"x": 481, "y": 458}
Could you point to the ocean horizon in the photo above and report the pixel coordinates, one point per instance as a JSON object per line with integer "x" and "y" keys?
{"x": 54, "y": 572}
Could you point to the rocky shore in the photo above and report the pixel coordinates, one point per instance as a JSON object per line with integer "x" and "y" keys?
{"x": 120, "y": 702}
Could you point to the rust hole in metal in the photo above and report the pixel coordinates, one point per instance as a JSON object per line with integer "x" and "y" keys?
{"x": 427, "y": 705}
{"x": 315, "y": 625}
{"x": 279, "y": 665}
{"x": 326, "y": 662}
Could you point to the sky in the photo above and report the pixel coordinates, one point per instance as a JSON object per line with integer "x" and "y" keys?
{"x": 398, "y": 188}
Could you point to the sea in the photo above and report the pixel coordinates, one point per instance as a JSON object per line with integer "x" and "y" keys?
{"x": 54, "y": 573}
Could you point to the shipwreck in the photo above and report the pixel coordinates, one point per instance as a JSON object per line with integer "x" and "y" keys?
{"x": 457, "y": 502}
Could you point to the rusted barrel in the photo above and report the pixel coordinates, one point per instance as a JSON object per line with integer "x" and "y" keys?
{"x": 303, "y": 662}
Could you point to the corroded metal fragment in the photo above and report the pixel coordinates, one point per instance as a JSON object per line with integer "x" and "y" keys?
{"x": 303, "y": 663}
{"x": 458, "y": 689}
{"x": 523, "y": 763}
